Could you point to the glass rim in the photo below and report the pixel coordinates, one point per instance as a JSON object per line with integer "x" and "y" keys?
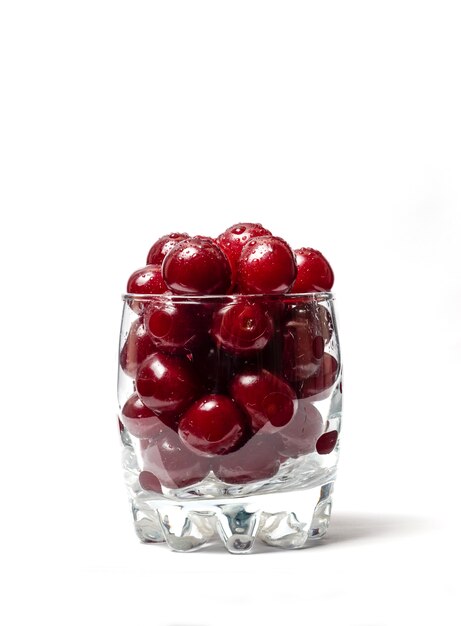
{"x": 315, "y": 296}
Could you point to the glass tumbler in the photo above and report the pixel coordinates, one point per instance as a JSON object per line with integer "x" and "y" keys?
{"x": 229, "y": 416}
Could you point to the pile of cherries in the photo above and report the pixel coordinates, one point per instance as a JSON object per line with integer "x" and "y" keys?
{"x": 227, "y": 384}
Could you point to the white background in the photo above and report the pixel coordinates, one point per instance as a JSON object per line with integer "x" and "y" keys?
{"x": 338, "y": 126}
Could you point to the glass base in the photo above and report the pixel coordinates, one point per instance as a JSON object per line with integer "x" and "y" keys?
{"x": 285, "y": 519}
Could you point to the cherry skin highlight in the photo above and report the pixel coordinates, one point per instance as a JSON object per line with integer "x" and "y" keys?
{"x": 173, "y": 463}
{"x": 138, "y": 345}
{"x": 176, "y": 328}
{"x": 166, "y": 384}
{"x": 268, "y": 400}
{"x": 197, "y": 266}
{"x": 320, "y": 383}
{"x": 267, "y": 266}
{"x": 212, "y": 425}
{"x": 242, "y": 328}
{"x": 314, "y": 272}
{"x": 146, "y": 280}
{"x": 139, "y": 420}
{"x": 232, "y": 240}
{"x": 162, "y": 246}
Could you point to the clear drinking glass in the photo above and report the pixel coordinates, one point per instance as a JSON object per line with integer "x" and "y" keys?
{"x": 276, "y": 359}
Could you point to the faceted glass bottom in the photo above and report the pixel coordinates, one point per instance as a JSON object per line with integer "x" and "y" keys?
{"x": 286, "y": 519}
{"x": 289, "y": 510}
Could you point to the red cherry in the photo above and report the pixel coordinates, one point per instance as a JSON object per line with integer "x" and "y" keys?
{"x": 321, "y": 318}
{"x": 327, "y": 442}
{"x": 149, "y": 482}
{"x": 197, "y": 266}
{"x": 176, "y": 327}
{"x": 162, "y": 246}
{"x": 318, "y": 385}
{"x": 267, "y": 265}
{"x": 138, "y": 345}
{"x": 212, "y": 425}
{"x": 267, "y": 399}
{"x": 242, "y": 328}
{"x": 314, "y": 272}
{"x": 147, "y": 280}
{"x": 232, "y": 240}
{"x": 306, "y": 332}
{"x": 300, "y": 434}
{"x": 256, "y": 460}
{"x": 139, "y": 420}
{"x": 172, "y": 463}
{"x": 166, "y": 384}
{"x": 303, "y": 347}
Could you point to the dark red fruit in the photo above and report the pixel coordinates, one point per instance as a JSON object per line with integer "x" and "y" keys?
{"x": 300, "y": 434}
{"x": 197, "y": 266}
{"x": 303, "y": 346}
{"x": 327, "y": 442}
{"x": 162, "y": 246}
{"x": 232, "y": 240}
{"x": 242, "y": 328}
{"x": 139, "y": 420}
{"x": 256, "y": 460}
{"x": 138, "y": 345}
{"x": 214, "y": 367}
{"x": 147, "y": 280}
{"x": 321, "y": 318}
{"x": 319, "y": 384}
{"x": 267, "y": 399}
{"x": 314, "y": 272}
{"x": 149, "y": 482}
{"x": 166, "y": 384}
{"x": 267, "y": 265}
{"x": 212, "y": 425}
{"x": 172, "y": 463}
{"x": 271, "y": 357}
{"x": 176, "y": 327}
